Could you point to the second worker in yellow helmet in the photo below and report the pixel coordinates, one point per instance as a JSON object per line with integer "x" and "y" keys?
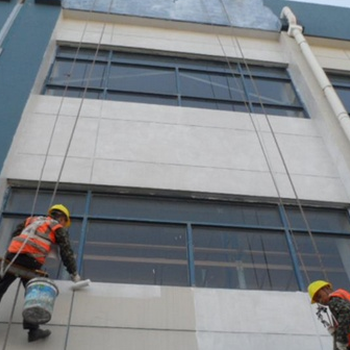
{"x": 338, "y": 301}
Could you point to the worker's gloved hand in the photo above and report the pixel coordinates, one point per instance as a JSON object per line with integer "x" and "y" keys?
{"x": 341, "y": 346}
{"x": 76, "y": 278}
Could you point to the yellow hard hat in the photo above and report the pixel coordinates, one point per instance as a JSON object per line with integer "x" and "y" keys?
{"x": 63, "y": 209}
{"x": 314, "y": 287}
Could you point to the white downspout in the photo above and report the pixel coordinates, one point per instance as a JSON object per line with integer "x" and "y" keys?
{"x": 296, "y": 31}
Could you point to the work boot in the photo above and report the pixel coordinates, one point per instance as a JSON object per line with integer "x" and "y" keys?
{"x": 36, "y": 334}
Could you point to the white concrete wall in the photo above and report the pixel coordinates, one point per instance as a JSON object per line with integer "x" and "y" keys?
{"x": 131, "y": 317}
{"x": 185, "y": 149}
{"x": 151, "y": 146}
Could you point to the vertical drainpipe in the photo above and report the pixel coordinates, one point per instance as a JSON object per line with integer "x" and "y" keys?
{"x": 9, "y": 22}
{"x": 296, "y": 31}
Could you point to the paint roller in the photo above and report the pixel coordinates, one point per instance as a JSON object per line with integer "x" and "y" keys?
{"x": 80, "y": 285}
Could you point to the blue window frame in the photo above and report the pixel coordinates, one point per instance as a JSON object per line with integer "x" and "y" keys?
{"x": 175, "y": 81}
{"x": 186, "y": 242}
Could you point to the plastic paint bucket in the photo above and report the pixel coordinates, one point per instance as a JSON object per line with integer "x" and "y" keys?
{"x": 40, "y": 296}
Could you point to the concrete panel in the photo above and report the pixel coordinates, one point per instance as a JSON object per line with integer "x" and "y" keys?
{"x": 312, "y": 188}
{"x": 186, "y": 149}
{"x": 180, "y": 178}
{"x": 145, "y": 307}
{"x": 239, "y": 311}
{"x": 182, "y": 145}
{"x": 252, "y": 341}
{"x": 130, "y": 339}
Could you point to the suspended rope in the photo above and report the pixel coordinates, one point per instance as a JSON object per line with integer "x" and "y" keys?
{"x": 263, "y": 147}
{"x": 2, "y": 270}
{"x": 68, "y": 80}
{"x": 281, "y": 202}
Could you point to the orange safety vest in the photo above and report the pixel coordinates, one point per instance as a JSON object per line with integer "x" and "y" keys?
{"x": 36, "y": 239}
{"x": 341, "y": 293}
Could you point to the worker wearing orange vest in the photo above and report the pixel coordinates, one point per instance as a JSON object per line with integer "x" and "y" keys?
{"x": 339, "y": 304}
{"x": 29, "y": 247}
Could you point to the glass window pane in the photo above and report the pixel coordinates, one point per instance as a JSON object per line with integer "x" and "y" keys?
{"x": 332, "y": 263}
{"x": 339, "y": 80}
{"x": 271, "y": 91}
{"x": 170, "y": 80}
{"x": 226, "y": 258}
{"x": 142, "y": 79}
{"x": 344, "y": 95}
{"x": 22, "y": 201}
{"x": 319, "y": 219}
{"x": 185, "y": 210}
{"x": 210, "y": 85}
{"x": 78, "y": 74}
{"x": 136, "y": 253}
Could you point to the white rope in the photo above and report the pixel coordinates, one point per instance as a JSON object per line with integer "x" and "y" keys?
{"x": 81, "y": 104}
{"x": 2, "y": 270}
{"x": 263, "y": 148}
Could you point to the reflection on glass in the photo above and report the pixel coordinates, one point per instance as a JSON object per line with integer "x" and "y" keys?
{"x": 136, "y": 253}
{"x": 243, "y": 259}
{"x": 326, "y": 259}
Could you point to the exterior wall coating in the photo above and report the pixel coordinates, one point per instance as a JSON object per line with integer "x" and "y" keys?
{"x": 156, "y": 147}
{"x": 104, "y": 316}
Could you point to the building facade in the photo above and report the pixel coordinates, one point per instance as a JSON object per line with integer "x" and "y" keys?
{"x": 204, "y": 154}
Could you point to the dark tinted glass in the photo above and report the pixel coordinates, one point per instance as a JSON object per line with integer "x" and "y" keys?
{"x": 242, "y": 259}
{"x": 324, "y": 258}
{"x": 344, "y": 95}
{"x": 271, "y": 91}
{"x": 319, "y": 219}
{"x": 23, "y": 201}
{"x": 210, "y": 85}
{"x": 136, "y": 253}
{"x": 160, "y": 79}
{"x": 142, "y": 79}
{"x": 185, "y": 211}
{"x": 78, "y": 74}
